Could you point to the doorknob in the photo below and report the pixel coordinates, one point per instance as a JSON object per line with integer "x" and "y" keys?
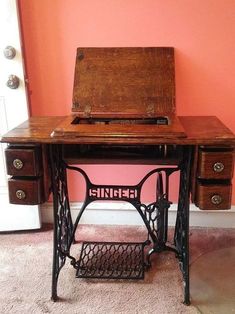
{"x": 9, "y": 52}
{"x": 13, "y": 81}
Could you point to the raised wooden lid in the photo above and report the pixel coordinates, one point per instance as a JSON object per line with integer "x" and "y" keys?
{"x": 121, "y": 82}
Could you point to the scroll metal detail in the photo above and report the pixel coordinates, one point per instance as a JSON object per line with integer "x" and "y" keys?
{"x": 154, "y": 215}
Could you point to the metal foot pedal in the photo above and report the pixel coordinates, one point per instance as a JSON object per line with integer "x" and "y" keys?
{"x": 111, "y": 260}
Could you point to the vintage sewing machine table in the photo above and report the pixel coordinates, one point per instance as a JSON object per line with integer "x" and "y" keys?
{"x": 122, "y": 118}
{"x": 31, "y": 145}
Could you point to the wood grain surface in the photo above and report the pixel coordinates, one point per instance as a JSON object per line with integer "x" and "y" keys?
{"x": 40, "y": 129}
{"x": 124, "y": 81}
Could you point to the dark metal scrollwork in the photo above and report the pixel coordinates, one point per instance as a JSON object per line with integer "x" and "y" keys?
{"x": 154, "y": 215}
{"x": 63, "y": 225}
{"x": 181, "y": 237}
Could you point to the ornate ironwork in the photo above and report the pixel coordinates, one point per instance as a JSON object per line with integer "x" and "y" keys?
{"x": 63, "y": 225}
{"x": 154, "y": 215}
{"x": 181, "y": 237}
{"x": 111, "y": 260}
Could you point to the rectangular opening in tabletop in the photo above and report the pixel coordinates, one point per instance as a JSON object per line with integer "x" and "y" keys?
{"x": 130, "y": 121}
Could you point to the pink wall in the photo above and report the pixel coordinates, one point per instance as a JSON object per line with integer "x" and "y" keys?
{"x": 202, "y": 32}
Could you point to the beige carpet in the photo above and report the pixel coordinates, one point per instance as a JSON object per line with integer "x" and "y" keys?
{"x": 25, "y": 278}
{"x": 213, "y": 282}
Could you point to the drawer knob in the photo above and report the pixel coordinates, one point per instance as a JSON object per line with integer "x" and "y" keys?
{"x": 18, "y": 164}
{"x": 218, "y": 167}
{"x": 20, "y": 194}
{"x": 216, "y": 199}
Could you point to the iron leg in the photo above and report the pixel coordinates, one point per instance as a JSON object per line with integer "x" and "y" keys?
{"x": 181, "y": 237}
{"x": 62, "y": 217}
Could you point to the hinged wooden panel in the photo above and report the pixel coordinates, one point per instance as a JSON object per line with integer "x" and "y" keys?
{"x": 124, "y": 81}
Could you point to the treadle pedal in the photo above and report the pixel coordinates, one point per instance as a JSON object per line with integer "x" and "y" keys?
{"x": 111, "y": 260}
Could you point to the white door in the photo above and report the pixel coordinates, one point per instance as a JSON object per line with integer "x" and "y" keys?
{"x": 13, "y": 111}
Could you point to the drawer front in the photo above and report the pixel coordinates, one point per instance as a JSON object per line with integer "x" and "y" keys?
{"x": 215, "y": 165}
{"x": 213, "y": 196}
{"x": 23, "y": 161}
{"x": 25, "y": 191}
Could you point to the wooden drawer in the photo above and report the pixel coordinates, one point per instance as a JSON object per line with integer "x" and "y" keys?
{"x": 25, "y": 191}
{"x": 215, "y": 165}
{"x": 214, "y": 196}
{"x": 23, "y": 161}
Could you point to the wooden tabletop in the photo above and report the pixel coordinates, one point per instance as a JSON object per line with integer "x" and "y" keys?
{"x": 199, "y": 130}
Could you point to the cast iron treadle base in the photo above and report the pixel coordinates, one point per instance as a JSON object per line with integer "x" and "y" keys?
{"x": 111, "y": 260}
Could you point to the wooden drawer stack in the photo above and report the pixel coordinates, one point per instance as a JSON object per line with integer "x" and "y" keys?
{"x": 28, "y": 184}
{"x": 213, "y": 178}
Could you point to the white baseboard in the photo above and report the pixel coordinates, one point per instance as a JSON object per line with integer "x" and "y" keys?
{"x": 121, "y": 213}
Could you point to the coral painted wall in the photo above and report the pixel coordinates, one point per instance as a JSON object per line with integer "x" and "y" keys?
{"x": 202, "y": 32}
